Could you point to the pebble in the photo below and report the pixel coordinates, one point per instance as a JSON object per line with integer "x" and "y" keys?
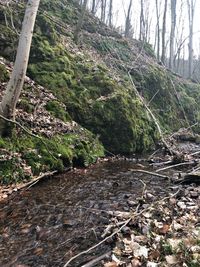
{"x": 181, "y": 205}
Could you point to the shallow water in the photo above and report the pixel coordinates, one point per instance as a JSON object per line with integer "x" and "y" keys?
{"x": 64, "y": 215}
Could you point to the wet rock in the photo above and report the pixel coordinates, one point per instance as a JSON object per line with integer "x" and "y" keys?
{"x": 126, "y": 230}
{"x": 132, "y": 203}
{"x": 181, "y": 205}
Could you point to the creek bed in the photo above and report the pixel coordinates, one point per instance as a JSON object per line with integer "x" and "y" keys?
{"x": 59, "y": 217}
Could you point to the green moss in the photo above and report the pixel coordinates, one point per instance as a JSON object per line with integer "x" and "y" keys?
{"x": 97, "y": 96}
{"x": 25, "y": 105}
{"x": 4, "y": 75}
{"x": 57, "y": 110}
{"x": 56, "y": 153}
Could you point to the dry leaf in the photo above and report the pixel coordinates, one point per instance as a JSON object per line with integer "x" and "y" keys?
{"x": 152, "y": 264}
{"x": 135, "y": 263}
{"x": 171, "y": 259}
{"x": 164, "y": 229}
{"x": 110, "y": 264}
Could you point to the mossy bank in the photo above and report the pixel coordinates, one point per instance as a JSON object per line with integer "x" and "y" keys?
{"x": 48, "y": 141}
{"x": 96, "y": 79}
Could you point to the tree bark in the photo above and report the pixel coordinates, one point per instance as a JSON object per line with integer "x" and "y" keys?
{"x": 15, "y": 84}
{"x": 80, "y": 22}
{"x": 163, "y": 55}
{"x": 142, "y": 22}
{"x": 93, "y": 7}
{"x": 103, "y": 10}
{"x": 128, "y": 20}
{"x": 172, "y": 34}
{"x": 158, "y": 30}
{"x": 191, "y": 8}
{"x": 110, "y": 14}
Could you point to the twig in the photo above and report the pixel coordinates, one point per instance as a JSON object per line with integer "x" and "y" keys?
{"x": 37, "y": 179}
{"x": 176, "y": 165}
{"x": 144, "y": 188}
{"x": 152, "y": 116}
{"x": 151, "y": 173}
{"x": 28, "y": 132}
{"x": 153, "y": 154}
{"x": 195, "y": 153}
{"x": 197, "y": 169}
{"x": 95, "y": 261}
{"x": 132, "y": 216}
{"x": 98, "y": 244}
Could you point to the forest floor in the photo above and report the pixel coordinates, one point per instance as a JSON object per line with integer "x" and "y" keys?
{"x": 119, "y": 212}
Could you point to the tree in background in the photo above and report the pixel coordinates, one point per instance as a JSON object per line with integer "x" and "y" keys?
{"x": 158, "y": 28}
{"x": 163, "y": 54}
{"x": 110, "y": 14}
{"x": 80, "y": 21}
{"x": 103, "y": 10}
{"x": 128, "y": 26}
{"x": 15, "y": 84}
{"x": 142, "y": 21}
{"x": 172, "y": 33}
{"x": 191, "y": 8}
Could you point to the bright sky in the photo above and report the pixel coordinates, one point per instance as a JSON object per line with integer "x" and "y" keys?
{"x": 120, "y": 7}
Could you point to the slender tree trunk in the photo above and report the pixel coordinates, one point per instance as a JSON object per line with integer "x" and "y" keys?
{"x": 172, "y": 34}
{"x": 110, "y": 14}
{"x": 80, "y": 22}
{"x": 128, "y": 21}
{"x": 15, "y": 84}
{"x": 191, "y": 8}
{"x": 163, "y": 55}
{"x": 103, "y": 10}
{"x": 158, "y": 30}
{"x": 93, "y": 7}
{"x": 142, "y": 21}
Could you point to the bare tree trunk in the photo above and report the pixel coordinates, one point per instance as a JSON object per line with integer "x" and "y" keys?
{"x": 103, "y": 10}
{"x": 110, "y": 14}
{"x": 191, "y": 7}
{"x": 93, "y": 7}
{"x": 128, "y": 21}
{"x": 142, "y": 22}
{"x": 172, "y": 34}
{"x": 80, "y": 22}
{"x": 158, "y": 30}
{"x": 163, "y": 55}
{"x": 15, "y": 84}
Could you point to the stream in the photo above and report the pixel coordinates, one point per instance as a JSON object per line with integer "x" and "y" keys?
{"x": 57, "y": 218}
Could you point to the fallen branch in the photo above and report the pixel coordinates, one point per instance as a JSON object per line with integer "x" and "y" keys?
{"x": 37, "y": 179}
{"x": 95, "y": 261}
{"x": 151, "y": 173}
{"x": 176, "y": 165}
{"x": 28, "y": 132}
{"x": 132, "y": 216}
{"x": 195, "y": 153}
{"x": 98, "y": 244}
{"x": 152, "y": 116}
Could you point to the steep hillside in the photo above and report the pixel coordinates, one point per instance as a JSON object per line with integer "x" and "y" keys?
{"x": 97, "y": 79}
{"x": 46, "y": 140}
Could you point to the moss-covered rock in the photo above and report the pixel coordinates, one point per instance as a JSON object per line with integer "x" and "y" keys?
{"x": 92, "y": 79}
{"x": 24, "y": 152}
